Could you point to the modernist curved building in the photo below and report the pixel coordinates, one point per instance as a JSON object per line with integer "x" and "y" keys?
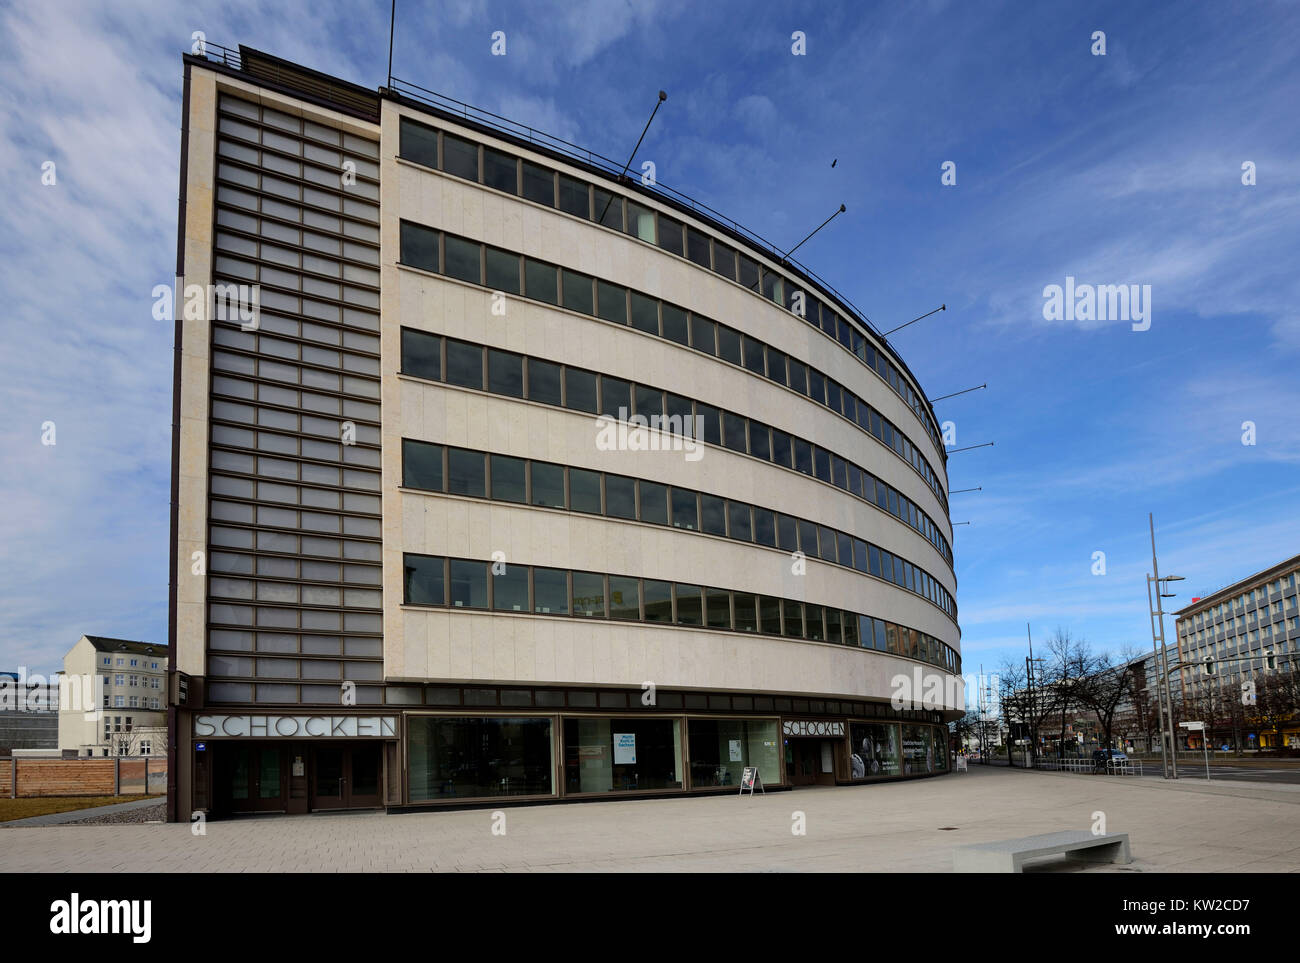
{"x": 523, "y": 479}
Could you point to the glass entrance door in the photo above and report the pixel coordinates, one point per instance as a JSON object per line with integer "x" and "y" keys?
{"x": 250, "y": 778}
{"x": 346, "y": 777}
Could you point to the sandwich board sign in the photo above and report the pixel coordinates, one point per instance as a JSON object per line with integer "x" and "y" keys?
{"x": 748, "y": 778}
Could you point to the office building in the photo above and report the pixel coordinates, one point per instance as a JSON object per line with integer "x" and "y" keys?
{"x": 500, "y": 475}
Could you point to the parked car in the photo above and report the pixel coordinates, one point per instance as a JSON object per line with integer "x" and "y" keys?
{"x": 1101, "y": 758}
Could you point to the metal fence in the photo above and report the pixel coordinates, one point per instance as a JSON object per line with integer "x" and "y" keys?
{"x": 1112, "y": 767}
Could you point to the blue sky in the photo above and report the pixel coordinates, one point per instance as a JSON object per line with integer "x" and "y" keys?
{"x": 1116, "y": 169}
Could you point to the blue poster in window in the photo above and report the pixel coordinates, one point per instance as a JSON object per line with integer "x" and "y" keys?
{"x": 624, "y": 748}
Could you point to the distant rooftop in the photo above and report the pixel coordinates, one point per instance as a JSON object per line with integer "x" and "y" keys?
{"x": 1263, "y": 575}
{"x": 105, "y": 644}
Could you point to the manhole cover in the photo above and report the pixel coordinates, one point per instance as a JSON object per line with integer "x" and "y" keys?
{"x": 945, "y": 829}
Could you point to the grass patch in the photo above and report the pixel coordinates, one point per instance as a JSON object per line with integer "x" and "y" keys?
{"x": 11, "y": 809}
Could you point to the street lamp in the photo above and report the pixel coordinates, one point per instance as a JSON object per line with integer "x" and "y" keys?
{"x": 1160, "y": 649}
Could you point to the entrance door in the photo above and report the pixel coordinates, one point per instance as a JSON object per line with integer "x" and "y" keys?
{"x": 813, "y": 763}
{"x": 346, "y": 777}
{"x": 807, "y": 761}
{"x": 250, "y": 778}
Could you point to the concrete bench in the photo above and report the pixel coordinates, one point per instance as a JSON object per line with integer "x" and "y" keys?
{"x": 1010, "y": 855}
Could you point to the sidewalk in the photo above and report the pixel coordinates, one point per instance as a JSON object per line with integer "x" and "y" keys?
{"x": 899, "y": 827}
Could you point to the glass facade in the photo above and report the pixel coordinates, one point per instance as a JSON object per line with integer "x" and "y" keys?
{"x": 874, "y": 750}
{"x": 619, "y": 755}
{"x": 722, "y": 748}
{"x": 467, "y": 758}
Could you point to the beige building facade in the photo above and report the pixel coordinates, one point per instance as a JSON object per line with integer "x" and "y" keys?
{"x": 113, "y": 698}
{"x": 499, "y": 475}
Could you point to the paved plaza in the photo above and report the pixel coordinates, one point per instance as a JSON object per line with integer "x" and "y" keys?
{"x": 900, "y": 827}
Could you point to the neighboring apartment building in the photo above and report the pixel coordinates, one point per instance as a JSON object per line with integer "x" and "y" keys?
{"x": 124, "y": 687}
{"x": 419, "y": 555}
{"x": 1245, "y": 622}
{"x": 29, "y": 712}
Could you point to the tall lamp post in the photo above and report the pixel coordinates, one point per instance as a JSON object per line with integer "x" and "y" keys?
{"x": 1169, "y": 758}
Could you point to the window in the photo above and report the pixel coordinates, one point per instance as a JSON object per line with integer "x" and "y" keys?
{"x": 697, "y": 247}
{"x": 674, "y": 324}
{"x": 547, "y": 484}
{"x": 685, "y": 510}
{"x": 773, "y": 288}
{"x": 465, "y": 472}
{"x": 508, "y": 478}
{"x": 649, "y": 402}
{"x": 793, "y": 618}
{"x": 615, "y": 397}
{"x": 728, "y": 344}
{"x": 607, "y": 209}
{"x": 459, "y": 157}
{"x": 584, "y": 491}
{"x": 640, "y": 222}
{"x": 718, "y": 609}
{"x": 734, "y": 432}
{"x": 468, "y": 584}
{"x": 541, "y": 281}
{"x": 724, "y": 260}
{"x": 620, "y": 496}
{"x": 461, "y": 259}
{"x": 781, "y": 448}
{"x": 580, "y": 390}
{"x": 575, "y": 197}
{"x": 612, "y": 302}
{"x": 550, "y": 591}
{"x": 709, "y": 424}
{"x": 539, "y": 184}
{"x": 578, "y": 294}
{"x": 464, "y": 364}
{"x": 419, "y": 143}
{"x": 703, "y": 336}
{"x": 690, "y": 607}
{"x": 543, "y": 382}
{"x": 589, "y": 594}
{"x": 624, "y": 598}
{"x": 421, "y": 357}
{"x": 502, "y": 270}
{"x": 713, "y": 515}
{"x": 505, "y": 373}
{"x": 654, "y": 502}
{"x": 670, "y": 235}
{"x": 510, "y": 588}
{"x": 419, "y": 247}
{"x": 658, "y": 601}
{"x": 738, "y": 521}
{"x": 645, "y": 313}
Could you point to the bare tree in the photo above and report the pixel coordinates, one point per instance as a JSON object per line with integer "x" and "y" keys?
{"x": 1025, "y": 706}
{"x": 1069, "y": 666}
{"x": 1107, "y": 687}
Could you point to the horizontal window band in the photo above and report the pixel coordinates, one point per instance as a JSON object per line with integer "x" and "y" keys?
{"x": 682, "y": 248}
{"x": 732, "y": 513}
{"x": 472, "y": 586}
{"x": 590, "y": 308}
{"x": 782, "y": 448}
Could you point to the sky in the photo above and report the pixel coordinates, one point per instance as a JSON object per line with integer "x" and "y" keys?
{"x": 1122, "y": 168}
